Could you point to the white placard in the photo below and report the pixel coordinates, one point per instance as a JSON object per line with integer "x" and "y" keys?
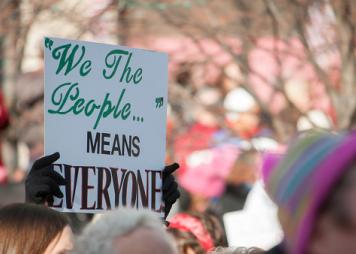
{"x": 257, "y": 224}
{"x": 105, "y": 113}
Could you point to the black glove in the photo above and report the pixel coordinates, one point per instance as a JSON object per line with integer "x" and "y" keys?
{"x": 42, "y": 183}
{"x": 170, "y": 192}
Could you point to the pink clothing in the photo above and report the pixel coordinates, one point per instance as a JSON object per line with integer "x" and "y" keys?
{"x": 207, "y": 170}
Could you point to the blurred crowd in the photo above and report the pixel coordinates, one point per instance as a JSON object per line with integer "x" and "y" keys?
{"x": 311, "y": 183}
{"x": 228, "y": 157}
{"x": 226, "y": 146}
{"x": 258, "y": 91}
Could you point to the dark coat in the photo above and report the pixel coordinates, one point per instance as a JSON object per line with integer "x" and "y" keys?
{"x": 276, "y": 250}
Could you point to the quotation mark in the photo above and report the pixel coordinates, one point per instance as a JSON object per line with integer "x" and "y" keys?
{"x": 159, "y": 102}
{"x": 48, "y": 43}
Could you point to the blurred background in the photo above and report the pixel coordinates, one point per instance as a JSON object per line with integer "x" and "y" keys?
{"x": 244, "y": 78}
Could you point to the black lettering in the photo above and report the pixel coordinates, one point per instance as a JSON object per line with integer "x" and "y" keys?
{"x": 126, "y": 145}
{"x": 103, "y": 188}
{"x": 104, "y": 143}
{"x": 93, "y": 147}
{"x": 143, "y": 191}
{"x": 154, "y": 189}
{"x": 86, "y": 187}
{"x": 135, "y": 142}
{"x": 70, "y": 189}
{"x": 116, "y": 145}
{"x": 117, "y": 186}
{"x": 133, "y": 190}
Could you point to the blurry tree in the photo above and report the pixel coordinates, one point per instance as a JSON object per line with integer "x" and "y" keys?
{"x": 318, "y": 34}
{"x": 23, "y": 90}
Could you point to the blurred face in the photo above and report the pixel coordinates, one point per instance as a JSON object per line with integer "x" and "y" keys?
{"x": 144, "y": 241}
{"x": 62, "y": 244}
{"x": 242, "y": 173}
{"x": 190, "y": 251}
{"x": 335, "y": 230}
{"x": 199, "y": 203}
{"x": 245, "y": 123}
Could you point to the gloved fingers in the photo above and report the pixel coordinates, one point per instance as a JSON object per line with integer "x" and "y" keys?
{"x": 45, "y": 161}
{"x": 54, "y": 187}
{"x": 167, "y": 209}
{"x": 171, "y": 197}
{"x": 168, "y": 170}
{"x": 167, "y": 182}
{"x": 39, "y": 197}
{"x": 49, "y": 200}
{"x": 169, "y": 201}
{"x": 48, "y": 171}
{"x": 170, "y": 189}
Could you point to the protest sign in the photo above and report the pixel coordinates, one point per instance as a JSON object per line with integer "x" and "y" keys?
{"x": 257, "y": 224}
{"x": 105, "y": 113}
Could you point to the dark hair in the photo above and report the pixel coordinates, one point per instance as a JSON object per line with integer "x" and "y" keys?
{"x": 213, "y": 225}
{"x": 28, "y": 228}
{"x": 185, "y": 241}
{"x": 244, "y": 169}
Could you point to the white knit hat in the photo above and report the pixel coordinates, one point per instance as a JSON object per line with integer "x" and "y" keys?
{"x": 239, "y": 100}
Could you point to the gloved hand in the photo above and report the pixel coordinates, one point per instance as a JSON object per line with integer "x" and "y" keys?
{"x": 170, "y": 192}
{"x": 42, "y": 183}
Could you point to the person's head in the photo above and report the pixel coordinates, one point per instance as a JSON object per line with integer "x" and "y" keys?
{"x": 205, "y": 227}
{"x": 205, "y": 175}
{"x": 125, "y": 231}
{"x": 186, "y": 242}
{"x": 214, "y": 225}
{"x": 245, "y": 168}
{"x": 242, "y": 112}
{"x": 314, "y": 186}
{"x": 28, "y": 228}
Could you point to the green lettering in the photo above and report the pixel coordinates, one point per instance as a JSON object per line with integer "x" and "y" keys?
{"x": 85, "y": 68}
{"x": 57, "y": 98}
{"x": 78, "y": 106}
{"x": 67, "y": 61}
{"x": 126, "y": 111}
{"x": 118, "y": 112}
{"x": 112, "y": 61}
{"x": 105, "y": 110}
{"x": 127, "y": 71}
{"x": 137, "y": 76}
{"x": 89, "y": 110}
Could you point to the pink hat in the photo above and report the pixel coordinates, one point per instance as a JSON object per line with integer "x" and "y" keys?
{"x": 207, "y": 170}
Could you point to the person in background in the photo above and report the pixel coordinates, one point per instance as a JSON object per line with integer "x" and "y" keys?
{"x": 206, "y": 115}
{"x": 33, "y": 229}
{"x": 314, "y": 186}
{"x": 125, "y": 231}
{"x": 244, "y": 117}
{"x": 186, "y": 242}
{"x": 205, "y": 227}
{"x": 205, "y": 177}
{"x": 242, "y": 176}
